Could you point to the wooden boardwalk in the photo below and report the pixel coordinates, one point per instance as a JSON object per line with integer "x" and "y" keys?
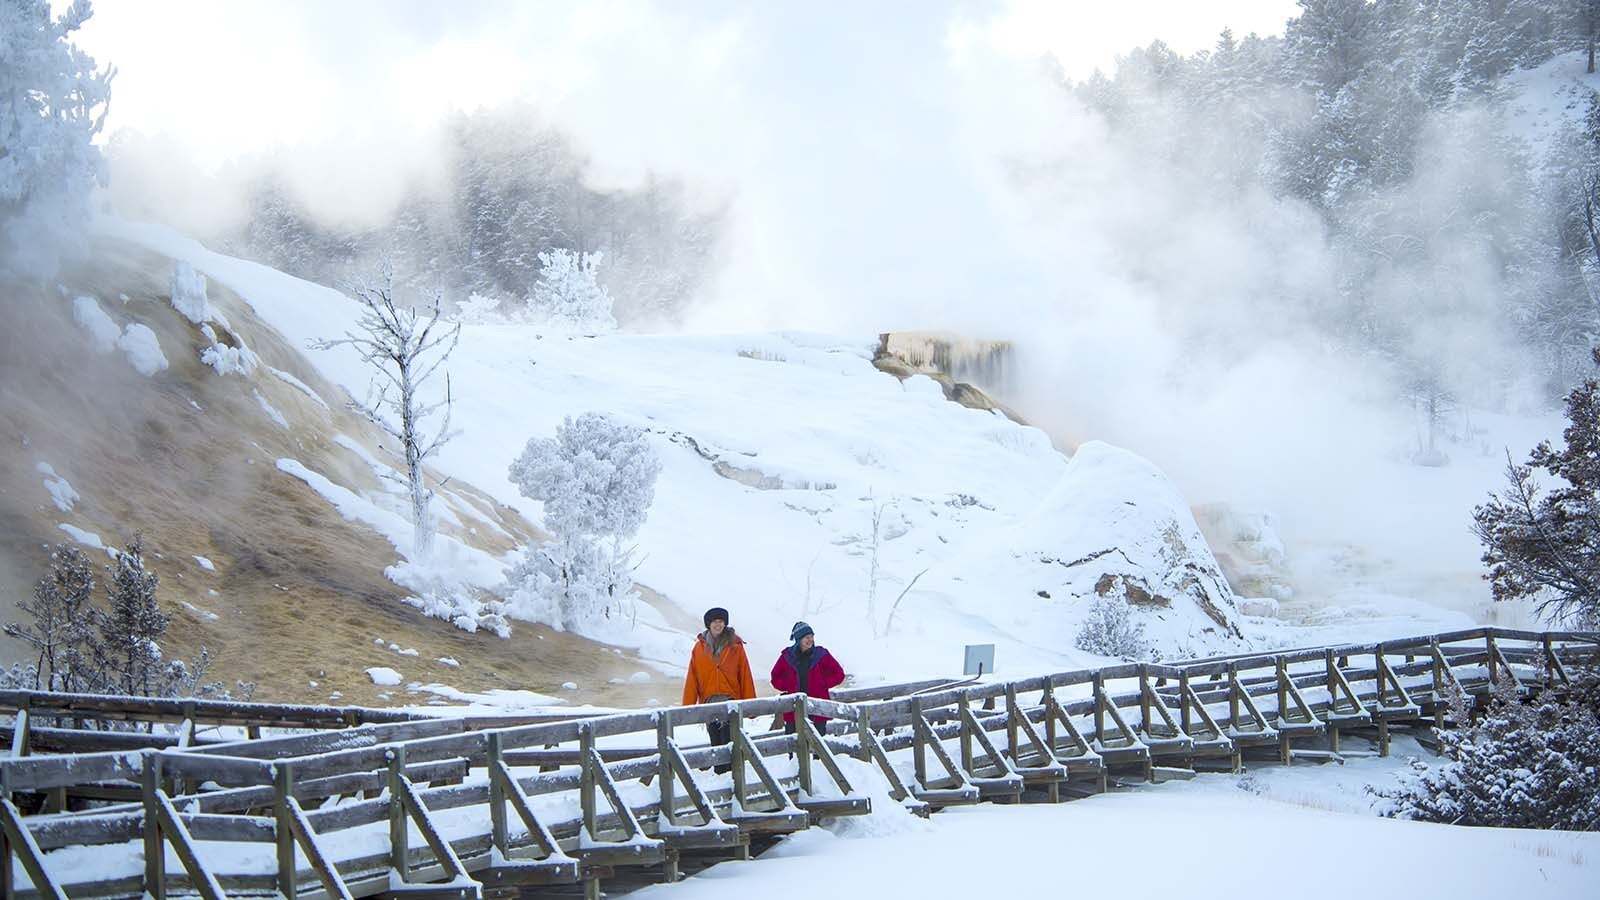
{"x": 95, "y": 801}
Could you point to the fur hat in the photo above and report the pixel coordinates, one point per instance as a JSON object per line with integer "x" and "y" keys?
{"x": 716, "y": 612}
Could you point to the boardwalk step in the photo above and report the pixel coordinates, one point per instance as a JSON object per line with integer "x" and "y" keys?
{"x": 1160, "y": 774}
{"x": 831, "y": 807}
{"x": 453, "y": 890}
{"x": 769, "y": 822}
{"x": 1317, "y": 756}
{"x": 698, "y": 837}
{"x": 517, "y": 872}
{"x": 636, "y": 853}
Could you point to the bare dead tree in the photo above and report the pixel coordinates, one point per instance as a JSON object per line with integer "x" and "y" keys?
{"x": 405, "y": 348}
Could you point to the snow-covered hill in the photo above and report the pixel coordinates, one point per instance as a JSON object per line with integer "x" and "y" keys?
{"x": 793, "y": 470}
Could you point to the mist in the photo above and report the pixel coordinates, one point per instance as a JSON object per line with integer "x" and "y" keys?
{"x": 903, "y": 166}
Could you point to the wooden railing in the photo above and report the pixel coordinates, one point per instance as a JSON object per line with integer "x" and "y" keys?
{"x": 454, "y": 807}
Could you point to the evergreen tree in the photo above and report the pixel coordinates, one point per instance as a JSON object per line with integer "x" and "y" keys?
{"x": 1544, "y": 546}
{"x": 131, "y": 656}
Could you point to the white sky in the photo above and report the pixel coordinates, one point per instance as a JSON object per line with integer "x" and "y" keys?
{"x": 232, "y": 78}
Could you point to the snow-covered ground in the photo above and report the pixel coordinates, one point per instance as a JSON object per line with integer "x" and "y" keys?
{"x": 792, "y": 470}
{"x": 1200, "y": 838}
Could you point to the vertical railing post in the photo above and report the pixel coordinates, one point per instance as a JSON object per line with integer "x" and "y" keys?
{"x": 1283, "y": 689}
{"x": 495, "y": 751}
{"x": 963, "y": 712}
{"x": 21, "y": 731}
{"x": 1144, "y": 700}
{"x": 155, "y": 854}
{"x": 586, "y": 778}
{"x": 1333, "y": 681}
{"x": 1383, "y": 683}
{"x": 802, "y": 744}
{"x": 8, "y": 870}
{"x": 1547, "y": 669}
{"x": 283, "y": 790}
{"x": 1098, "y": 684}
{"x": 399, "y": 828}
{"x": 1233, "y": 696}
{"x": 1439, "y": 702}
{"x": 664, "y": 771}
{"x": 919, "y": 753}
{"x": 1494, "y": 667}
{"x": 1050, "y": 714}
{"x": 864, "y": 731}
{"x": 1185, "y": 714}
{"x": 1333, "y": 701}
{"x": 668, "y": 803}
{"x": 1013, "y": 709}
{"x": 735, "y": 733}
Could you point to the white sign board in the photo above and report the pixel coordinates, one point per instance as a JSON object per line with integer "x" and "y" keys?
{"x": 980, "y": 659}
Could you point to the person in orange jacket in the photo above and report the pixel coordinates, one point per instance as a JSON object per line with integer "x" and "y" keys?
{"x": 718, "y": 671}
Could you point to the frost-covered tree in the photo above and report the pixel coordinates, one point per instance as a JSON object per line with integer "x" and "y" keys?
{"x": 65, "y": 626}
{"x": 1542, "y": 545}
{"x": 568, "y": 293}
{"x": 405, "y": 349}
{"x": 53, "y": 101}
{"x": 596, "y": 478}
{"x": 131, "y": 659}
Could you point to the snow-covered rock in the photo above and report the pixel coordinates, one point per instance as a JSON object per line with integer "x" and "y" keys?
{"x": 1113, "y": 526}
{"x": 143, "y": 350}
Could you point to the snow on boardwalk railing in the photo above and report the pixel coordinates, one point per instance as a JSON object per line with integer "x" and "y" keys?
{"x": 449, "y": 807}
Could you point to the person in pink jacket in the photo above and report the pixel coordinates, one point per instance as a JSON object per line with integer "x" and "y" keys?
{"x": 805, "y": 668}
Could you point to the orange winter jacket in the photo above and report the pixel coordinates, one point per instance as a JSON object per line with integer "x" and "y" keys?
{"x": 727, "y": 674}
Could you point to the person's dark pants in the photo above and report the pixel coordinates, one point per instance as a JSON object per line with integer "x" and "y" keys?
{"x": 721, "y": 735}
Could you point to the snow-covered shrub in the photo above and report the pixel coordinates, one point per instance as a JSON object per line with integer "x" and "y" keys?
{"x": 596, "y": 479}
{"x": 52, "y": 103}
{"x": 20, "y": 677}
{"x": 479, "y": 309}
{"x": 576, "y": 584}
{"x": 1522, "y": 765}
{"x": 1112, "y": 630}
{"x": 568, "y": 294}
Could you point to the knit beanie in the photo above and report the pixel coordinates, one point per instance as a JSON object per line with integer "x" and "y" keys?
{"x": 799, "y": 631}
{"x": 716, "y": 612}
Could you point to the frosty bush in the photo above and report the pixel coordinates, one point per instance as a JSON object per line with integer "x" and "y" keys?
{"x": 1112, "y": 630}
{"x": 568, "y": 293}
{"x": 1522, "y": 765}
{"x": 577, "y": 584}
{"x": 596, "y": 479}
